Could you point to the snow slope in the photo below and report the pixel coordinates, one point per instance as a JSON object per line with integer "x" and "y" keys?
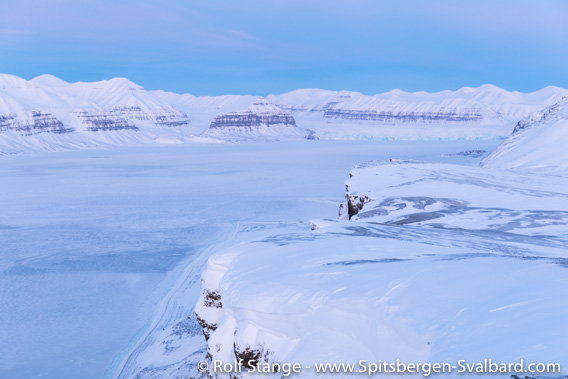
{"x": 537, "y": 141}
{"x": 468, "y": 198}
{"x": 441, "y": 263}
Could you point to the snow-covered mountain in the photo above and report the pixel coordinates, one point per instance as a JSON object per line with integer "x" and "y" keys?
{"x": 47, "y": 113}
{"x": 538, "y": 140}
{"x": 484, "y": 104}
{"x": 57, "y": 114}
{"x": 484, "y": 112}
{"x": 261, "y": 120}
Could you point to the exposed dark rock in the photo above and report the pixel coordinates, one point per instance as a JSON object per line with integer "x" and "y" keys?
{"x": 331, "y": 105}
{"x": 131, "y": 113}
{"x": 171, "y": 121}
{"x": 212, "y": 299}
{"x": 467, "y": 153}
{"x": 548, "y": 113}
{"x": 311, "y": 135}
{"x": 207, "y": 327}
{"x": 355, "y": 204}
{"x": 33, "y": 123}
{"x": 449, "y": 115}
{"x": 165, "y": 116}
{"x": 259, "y": 114}
{"x": 250, "y": 356}
{"x": 103, "y": 122}
{"x": 7, "y": 122}
{"x": 251, "y": 120}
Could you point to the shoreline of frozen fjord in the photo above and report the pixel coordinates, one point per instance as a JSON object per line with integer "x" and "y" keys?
{"x": 438, "y": 263}
{"x": 93, "y": 239}
{"x": 308, "y": 177}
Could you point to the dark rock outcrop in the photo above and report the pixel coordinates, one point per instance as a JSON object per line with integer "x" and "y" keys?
{"x": 449, "y": 115}
{"x": 33, "y": 123}
{"x": 337, "y": 108}
{"x": 7, "y": 122}
{"x": 208, "y": 328}
{"x": 261, "y": 113}
{"x": 165, "y": 116}
{"x": 212, "y": 299}
{"x": 355, "y": 204}
{"x": 95, "y": 122}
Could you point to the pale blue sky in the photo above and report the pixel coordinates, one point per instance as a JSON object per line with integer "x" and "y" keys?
{"x": 211, "y": 47}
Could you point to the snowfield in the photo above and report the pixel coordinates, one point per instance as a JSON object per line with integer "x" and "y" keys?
{"x": 438, "y": 263}
{"x": 469, "y": 198}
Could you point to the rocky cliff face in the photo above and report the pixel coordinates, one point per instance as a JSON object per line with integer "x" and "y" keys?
{"x": 354, "y": 106}
{"x": 163, "y": 116}
{"x": 93, "y": 121}
{"x": 260, "y": 114}
{"x": 227, "y": 340}
{"x": 548, "y": 115}
{"x": 32, "y": 123}
{"x": 443, "y": 114}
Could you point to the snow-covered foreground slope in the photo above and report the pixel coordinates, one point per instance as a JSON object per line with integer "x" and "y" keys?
{"x": 446, "y": 196}
{"x": 439, "y": 263}
{"x": 537, "y": 141}
{"x": 47, "y": 113}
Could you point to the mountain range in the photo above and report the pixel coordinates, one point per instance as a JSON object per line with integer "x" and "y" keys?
{"x": 47, "y": 113}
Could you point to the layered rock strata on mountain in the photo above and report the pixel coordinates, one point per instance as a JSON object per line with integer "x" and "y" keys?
{"x": 33, "y": 123}
{"x": 165, "y": 116}
{"x": 261, "y": 113}
{"x": 101, "y": 121}
{"x": 449, "y": 115}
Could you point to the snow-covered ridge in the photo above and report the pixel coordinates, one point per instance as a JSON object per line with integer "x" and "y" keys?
{"x": 487, "y": 103}
{"x": 439, "y": 263}
{"x": 538, "y": 140}
{"x": 71, "y": 111}
{"x": 484, "y": 112}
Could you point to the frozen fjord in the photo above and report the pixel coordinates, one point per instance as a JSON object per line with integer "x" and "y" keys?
{"x": 92, "y": 240}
